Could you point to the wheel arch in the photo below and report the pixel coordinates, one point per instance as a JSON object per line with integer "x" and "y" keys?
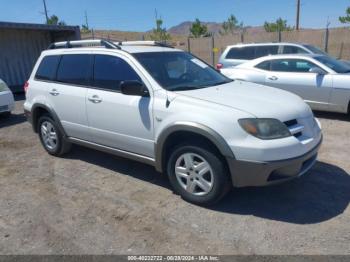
{"x": 189, "y": 130}
{"x": 40, "y": 109}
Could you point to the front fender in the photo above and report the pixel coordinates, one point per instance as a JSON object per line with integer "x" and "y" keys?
{"x": 192, "y": 127}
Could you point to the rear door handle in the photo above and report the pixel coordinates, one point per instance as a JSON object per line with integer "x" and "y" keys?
{"x": 273, "y": 78}
{"x": 95, "y": 99}
{"x": 54, "y": 92}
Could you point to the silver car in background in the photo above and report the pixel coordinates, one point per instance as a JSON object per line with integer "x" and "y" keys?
{"x": 237, "y": 54}
{"x": 7, "y": 103}
{"x": 322, "y": 81}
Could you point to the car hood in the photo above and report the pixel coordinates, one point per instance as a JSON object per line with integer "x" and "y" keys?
{"x": 258, "y": 100}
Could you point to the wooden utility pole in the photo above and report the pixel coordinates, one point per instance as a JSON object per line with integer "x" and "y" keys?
{"x": 45, "y": 10}
{"x": 298, "y": 15}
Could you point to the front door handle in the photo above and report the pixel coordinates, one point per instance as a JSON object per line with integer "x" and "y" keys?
{"x": 54, "y": 92}
{"x": 95, "y": 99}
{"x": 273, "y": 78}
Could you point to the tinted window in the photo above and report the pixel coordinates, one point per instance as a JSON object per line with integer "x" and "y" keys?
{"x": 109, "y": 71}
{"x": 47, "y": 68}
{"x": 264, "y": 65}
{"x": 74, "y": 69}
{"x": 315, "y": 50}
{"x": 336, "y": 65}
{"x": 291, "y": 65}
{"x": 287, "y": 49}
{"x": 245, "y": 53}
{"x": 261, "y": 51}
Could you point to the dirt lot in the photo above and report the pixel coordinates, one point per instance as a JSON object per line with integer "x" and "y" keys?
{"x": 93, "y": 203}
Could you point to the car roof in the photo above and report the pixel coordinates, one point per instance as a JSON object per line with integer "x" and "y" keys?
{"x": 146, "y": 49}
{"x": 265, "y": 44}
{"x": 281, "y": 56}
{"x": 97, "y": 45}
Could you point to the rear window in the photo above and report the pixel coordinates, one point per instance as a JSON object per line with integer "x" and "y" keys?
{"x": 251, "y": 52}
{"x": 261, "y": 51}
{"x": 47, "y": 68}
{"x": 74, "y": 69}
{"x": 244, "y": 53}
{"x": 287, "y": 49}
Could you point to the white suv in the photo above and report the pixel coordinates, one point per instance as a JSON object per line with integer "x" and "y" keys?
{"x": 167, "y": 108}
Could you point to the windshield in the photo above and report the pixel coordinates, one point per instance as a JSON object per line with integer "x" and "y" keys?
{"x": 176, "y": 71}
{"x": 315, "y": 50}
{"x": 335, "y": 65}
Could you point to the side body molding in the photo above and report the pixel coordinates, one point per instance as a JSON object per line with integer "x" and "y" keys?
{"x": 196, "y": 128}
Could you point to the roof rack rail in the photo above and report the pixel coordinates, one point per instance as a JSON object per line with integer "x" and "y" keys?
{"x": 84, "y": 43}
{"x": 143, "y": 43}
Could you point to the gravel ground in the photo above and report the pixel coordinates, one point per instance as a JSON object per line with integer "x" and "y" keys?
{"x": 93, "y": 203}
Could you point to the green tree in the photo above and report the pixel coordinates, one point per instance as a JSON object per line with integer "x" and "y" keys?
{"x": 198, "y": 29}
{"x": 160, "y": 33}
{"x": 230, "y": 26}
{"x": 279, "y": 25}
{"x": 345, "y": 19}
{"x": 54, "y": 20}
{"x": 85, "y": 29}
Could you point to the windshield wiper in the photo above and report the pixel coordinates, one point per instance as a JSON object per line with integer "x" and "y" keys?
{"x": 184, "y": 88}
{"x": 224, "y": 82}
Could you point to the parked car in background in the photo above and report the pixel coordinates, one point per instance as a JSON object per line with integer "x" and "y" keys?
{"x": 7, "y": 102}
{"x": 323, "y": 82}
{"x": 165, "y": 107}
{"x": 240, "y": 53}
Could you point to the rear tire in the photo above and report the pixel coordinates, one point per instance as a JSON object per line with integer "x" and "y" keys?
{"x": 51, "y": 138}
{"x": 197, "y": 174}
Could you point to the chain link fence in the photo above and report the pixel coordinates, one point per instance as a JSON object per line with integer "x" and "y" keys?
{"x": 335, "y": 41}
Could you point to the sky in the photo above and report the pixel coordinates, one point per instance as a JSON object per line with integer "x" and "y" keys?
{"x": 139, "y": 15}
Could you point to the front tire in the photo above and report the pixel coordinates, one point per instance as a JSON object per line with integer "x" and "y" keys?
{"x": 51, "y": 138}
{"x": 197, "y": 174}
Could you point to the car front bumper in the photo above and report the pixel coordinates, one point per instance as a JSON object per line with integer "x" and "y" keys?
{"x": 248, "y": 173}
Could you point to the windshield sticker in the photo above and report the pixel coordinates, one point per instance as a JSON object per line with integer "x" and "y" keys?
{"x": 199, "y": 63}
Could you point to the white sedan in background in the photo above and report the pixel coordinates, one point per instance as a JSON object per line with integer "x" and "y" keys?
{"x": 7, "y": 102}
{"x": 323, "y": 82}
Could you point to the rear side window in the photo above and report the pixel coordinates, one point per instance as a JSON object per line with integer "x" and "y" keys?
{"x": 287, "y": 49}
{"x": 244, "y": 53}
{"x": 264, "y": 65}
{"x": 109, "y": 71}
{"x": 261, "y": 51}
{"x": 74, "y": 69}
{"x": 47, "y": 68}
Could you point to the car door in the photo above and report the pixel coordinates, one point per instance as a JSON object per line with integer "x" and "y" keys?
{"x": 294, "y": 75}
{"x": 116, "y": 120}
{"x": 67, "y": 93}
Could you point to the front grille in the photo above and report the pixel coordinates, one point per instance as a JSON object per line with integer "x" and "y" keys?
{"x": 294, "y": 127}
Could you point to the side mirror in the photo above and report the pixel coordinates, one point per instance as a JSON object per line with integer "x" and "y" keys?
{"x": 133, "y": 88}
{"x": 317, "y": 70}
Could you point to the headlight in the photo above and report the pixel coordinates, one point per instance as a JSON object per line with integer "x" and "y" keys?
{"x": 265, "y": 128}
{"x": 3, "y": 86}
